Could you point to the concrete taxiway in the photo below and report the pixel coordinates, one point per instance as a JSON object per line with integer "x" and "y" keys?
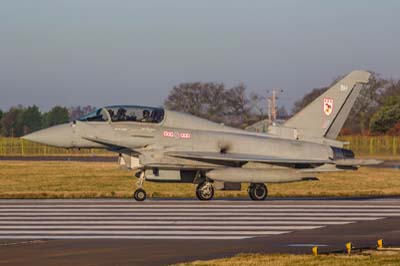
{"x": 124, "y": 232}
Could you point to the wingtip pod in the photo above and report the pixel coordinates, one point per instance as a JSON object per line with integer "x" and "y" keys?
{"x": 359, "y": 76}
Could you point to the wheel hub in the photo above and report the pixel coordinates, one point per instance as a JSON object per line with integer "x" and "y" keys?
{"x": 259, "y": 192}
{"x": 206, "y": 190}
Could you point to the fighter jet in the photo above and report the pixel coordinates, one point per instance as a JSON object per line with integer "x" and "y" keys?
{"x": 166, "y": 146}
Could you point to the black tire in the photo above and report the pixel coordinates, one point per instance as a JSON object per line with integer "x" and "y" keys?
{"x": 258, "y": 191}
{"x": 139, "y": 195}
{"x": 249, "y": 190}
{"x": 205, "y": 191}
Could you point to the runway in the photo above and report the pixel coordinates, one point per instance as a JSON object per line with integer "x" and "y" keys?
{"x": 132, "y": 232}
{"x": 178, "y": 220}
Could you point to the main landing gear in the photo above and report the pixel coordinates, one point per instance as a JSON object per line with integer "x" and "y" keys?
{"x": 257, "y": 191}
{"x": 140, "y": 193}
{"x": 205, "y": 191}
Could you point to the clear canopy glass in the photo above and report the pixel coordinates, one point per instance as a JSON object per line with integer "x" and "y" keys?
{"x": 135, "y": 114}
{"x": 100, "y": 115}
{"x": 126, "y": 113}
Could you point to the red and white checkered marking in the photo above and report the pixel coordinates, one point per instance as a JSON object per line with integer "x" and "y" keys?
{"x": 185, "y": 136}
{"x": 177, "y": 135}
{"x": 168, "y": 134}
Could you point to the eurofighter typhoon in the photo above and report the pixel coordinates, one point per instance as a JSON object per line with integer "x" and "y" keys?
{"x": 167, "y": 146}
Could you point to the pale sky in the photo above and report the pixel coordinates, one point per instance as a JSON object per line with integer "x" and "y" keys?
{"x": 97, "y": 52}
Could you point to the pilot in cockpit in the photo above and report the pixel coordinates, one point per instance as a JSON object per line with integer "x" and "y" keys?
{"x": 121, "y": 114}
{"x": 112, "y": 114}
{"x": 131, "y": 116}
{"x": 146, "y": 116}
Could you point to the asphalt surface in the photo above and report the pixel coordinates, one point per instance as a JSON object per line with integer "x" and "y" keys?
{"x": 124, "y": 232}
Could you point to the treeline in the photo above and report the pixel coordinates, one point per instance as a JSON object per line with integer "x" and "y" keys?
{"x": 21, "y": 120}
{"x": 233, "y": 106}
{"x": 376, "y": 111}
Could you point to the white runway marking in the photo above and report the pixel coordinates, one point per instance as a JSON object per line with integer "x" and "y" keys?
{"x": 278, "y": 222}
{"x": 147, "y": 232}
{"x": 133, "y": 205}
{"x": 124, "y": 219}
{"x": 132, "y": 237}
{"x": 186, "y": 210}
{"x": 160, "y": 227}
{"x": 218, "y": 203}
{"x": 114, "y": 218}
{"x": 167, "y": 214}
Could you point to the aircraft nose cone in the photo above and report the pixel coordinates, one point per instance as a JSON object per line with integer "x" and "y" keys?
{"x": 60, "y": 136}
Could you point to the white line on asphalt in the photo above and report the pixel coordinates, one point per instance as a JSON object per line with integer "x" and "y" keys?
{"x": 185, "y": 218}
{"x": 135, "y": 214}
{"x": 154, "y": 227}
{"x": 124, "y": 219}
{"x": 3, "y": 234}
{"x": 278, "y": 222}
{"x": 38, "y": 205}
{"x": 192, "y": 210}
{"x": 47, "y": 237}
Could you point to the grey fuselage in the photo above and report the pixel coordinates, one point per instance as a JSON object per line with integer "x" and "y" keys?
{"x": 166, "y": 145}
{"x": 178, "y": 132}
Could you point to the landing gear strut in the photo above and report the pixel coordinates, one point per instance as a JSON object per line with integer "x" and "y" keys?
{"x": 258, "y": 191}
{"x": 140, "y": 193}
{"x": 205, "y": 191}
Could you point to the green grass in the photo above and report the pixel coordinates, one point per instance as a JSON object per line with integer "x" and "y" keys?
{"x": 29, "y": 179}
{"x": 387, "y": 259}
{"x": 388, "y": 146}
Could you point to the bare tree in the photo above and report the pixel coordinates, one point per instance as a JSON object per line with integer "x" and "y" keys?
{"x": 76, "y": 112}
{"x": 257, "y": 103}
{"x": 212, "y": 101}
{"x": 237, "y": 106}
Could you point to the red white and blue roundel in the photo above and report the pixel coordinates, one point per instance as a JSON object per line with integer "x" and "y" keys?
{"x": 328, "y": 106}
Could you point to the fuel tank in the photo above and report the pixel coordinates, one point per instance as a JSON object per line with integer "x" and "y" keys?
{"x": 258, "y": 175}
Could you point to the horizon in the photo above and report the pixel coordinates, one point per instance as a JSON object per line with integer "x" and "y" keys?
{"x": 100, "y": 53}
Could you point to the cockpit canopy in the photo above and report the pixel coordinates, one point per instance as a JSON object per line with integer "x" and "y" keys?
{"x": 125, "y": 113}
{"x": 100, "y": 115}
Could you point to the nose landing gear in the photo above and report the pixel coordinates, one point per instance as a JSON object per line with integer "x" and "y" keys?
{"x": 140, "y": 193}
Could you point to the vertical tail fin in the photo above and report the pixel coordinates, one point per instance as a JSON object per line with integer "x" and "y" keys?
{"x": 325, "y": 116}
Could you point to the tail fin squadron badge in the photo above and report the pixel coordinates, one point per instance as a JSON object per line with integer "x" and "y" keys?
{"x": 328, "y": 106}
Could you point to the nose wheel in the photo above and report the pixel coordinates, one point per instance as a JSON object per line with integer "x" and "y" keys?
{"x": 258, "y": 191}
{"x": 205, "y": 191}
{"x": 140, "y": 193}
